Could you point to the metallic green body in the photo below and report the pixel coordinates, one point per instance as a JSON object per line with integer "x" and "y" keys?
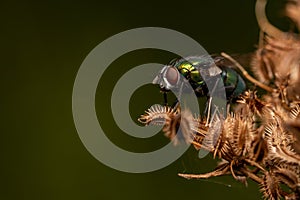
{"x": 190, "y": 69}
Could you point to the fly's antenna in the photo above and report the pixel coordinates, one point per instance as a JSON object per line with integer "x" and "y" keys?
{"x": 246, "y": 75}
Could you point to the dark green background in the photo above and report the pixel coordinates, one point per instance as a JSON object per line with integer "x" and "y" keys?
{"x": 43, "y": 44}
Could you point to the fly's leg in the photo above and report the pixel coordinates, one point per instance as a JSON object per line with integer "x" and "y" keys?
{"x": 208, "y": 110}
{"x": 208, "y": 105}
{"x": 176, "y": 103}
{"x": 165, "y": 98}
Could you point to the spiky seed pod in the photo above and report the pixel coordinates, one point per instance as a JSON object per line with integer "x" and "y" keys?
{"x": 253, "y": 103}
{"x": 288, "y": 177}
{"x": 173, "y": 120}
{"x": 187, "y": 126}
{"x": 292, "y": 196}
{"x": 288, "y": 174}
{"x": 270, "y": 186}
{"x": 293, "y": 126}
{"x": 295, "y": 111}
{"x": 158, "y": 115}
{"x": 216, "y": 139}
{"x": 200, "y": 133}
{"x": 236, "y": 131}
{"x": 162, "y": 115}
{"x": 279, "y": 143}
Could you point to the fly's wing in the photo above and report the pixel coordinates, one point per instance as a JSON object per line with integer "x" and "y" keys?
{"x": 207, "y": 67}
{"x": 243, "y": 59}
{"x": 211, "y": 74}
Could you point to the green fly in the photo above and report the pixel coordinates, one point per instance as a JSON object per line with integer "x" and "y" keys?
{"x": 193, "y": 69}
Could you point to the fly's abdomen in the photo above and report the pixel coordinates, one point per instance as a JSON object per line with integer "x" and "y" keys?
{"x": 233, "y": 83}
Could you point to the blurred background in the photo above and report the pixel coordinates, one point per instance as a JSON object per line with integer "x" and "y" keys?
{"x": 43, "y": 44}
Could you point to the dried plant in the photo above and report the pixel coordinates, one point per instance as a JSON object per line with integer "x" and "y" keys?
{"x": 260, "y": 138}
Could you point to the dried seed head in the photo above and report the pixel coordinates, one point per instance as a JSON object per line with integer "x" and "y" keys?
{"x": 260, "y": 140}
{"x": 261, "y": 66}
{"x": 293, "y": 12}
{"x": 278, "y": 63}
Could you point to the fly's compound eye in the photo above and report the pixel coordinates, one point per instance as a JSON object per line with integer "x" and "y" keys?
{"x": 172, "y": 76}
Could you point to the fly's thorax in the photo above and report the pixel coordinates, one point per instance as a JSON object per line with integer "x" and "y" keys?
{"x": 189, "y": 71}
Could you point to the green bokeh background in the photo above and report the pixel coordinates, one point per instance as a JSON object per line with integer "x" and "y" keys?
{"x": 43, "y": 44}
